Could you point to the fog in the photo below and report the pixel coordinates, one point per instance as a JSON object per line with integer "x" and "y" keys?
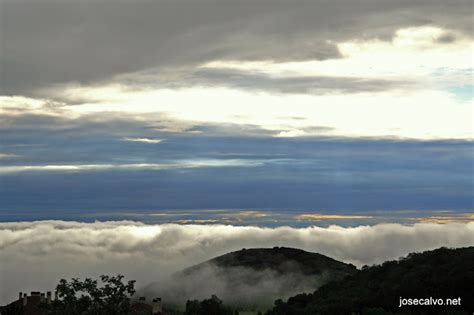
{"x": 35, "y": 255}
{"x": 236, "y": 286}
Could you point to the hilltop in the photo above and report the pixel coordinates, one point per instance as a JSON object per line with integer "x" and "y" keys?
{"x": 253, "y": 278}
{"x": 281, "y": 260}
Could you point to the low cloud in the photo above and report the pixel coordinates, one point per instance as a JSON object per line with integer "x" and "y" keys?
{"x": 320, "y": 216}
{"x": 7, "y": 155}
{"x": 144, "y": 140}
{"x": 184, "y": 164}
{"x": 447, "y": 218}
{"x": 35, "y": 255}
{"x": 291, "y": 133}
{"x": 238, "y": 286}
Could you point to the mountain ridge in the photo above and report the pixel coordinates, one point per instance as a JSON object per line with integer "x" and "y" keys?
{"x": 282, "y": 259}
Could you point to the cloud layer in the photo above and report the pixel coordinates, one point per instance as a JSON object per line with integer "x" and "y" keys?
{"x": 34, "y": 255}
{"x": 84, "y": 41}
{"x": 246, "y": 64}
{"x": 53, "y": 164}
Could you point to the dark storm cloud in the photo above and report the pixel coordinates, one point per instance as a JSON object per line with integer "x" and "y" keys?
{"x": 446, "y": 38}
{"x": 259, "y": 81}
{"x": 48, "y": 42}
{"x": 306, "y": 85}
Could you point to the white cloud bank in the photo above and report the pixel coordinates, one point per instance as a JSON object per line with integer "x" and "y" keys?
{"x": 34, "y": 255}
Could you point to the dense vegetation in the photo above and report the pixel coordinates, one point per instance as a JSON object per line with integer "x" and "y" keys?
{"x": 87, "y": 297}
{"x": 212, "y": 306}
{"x": 442, "y": 273}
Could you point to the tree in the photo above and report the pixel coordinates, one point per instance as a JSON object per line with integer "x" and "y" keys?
{"x": 86, "y": 297}
{"x": 212, "y": 306}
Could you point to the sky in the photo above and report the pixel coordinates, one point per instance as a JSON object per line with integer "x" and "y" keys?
{"x": 124, "y": 110}
{"x": 135, "y": 110}
{"x": 174, "y": 131}
{"x": 119, "y": 109}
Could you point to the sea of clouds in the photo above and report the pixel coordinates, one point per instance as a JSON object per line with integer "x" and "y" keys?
{"x": 35, "y": 255}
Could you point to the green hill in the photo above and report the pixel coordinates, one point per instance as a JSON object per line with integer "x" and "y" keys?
{"x": 438, "y": 274}
{"x": 254, "y": 278}
{"x": 282, "y": 260}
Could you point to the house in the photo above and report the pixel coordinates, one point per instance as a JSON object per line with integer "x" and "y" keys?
{"x": 26, "y": 304}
